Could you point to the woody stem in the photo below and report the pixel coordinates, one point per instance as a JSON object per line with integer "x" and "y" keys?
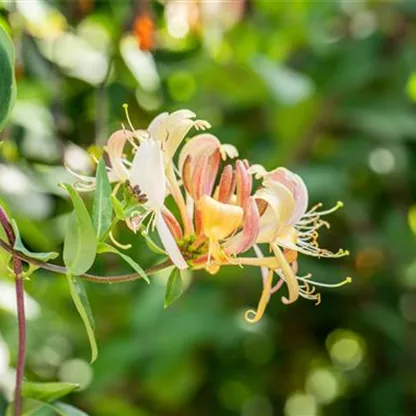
{"x": 21, "y": 321}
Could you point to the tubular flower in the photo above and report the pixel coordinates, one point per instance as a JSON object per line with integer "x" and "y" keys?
{"x": 289, "y": 229}
{"x": 221, "y": 215}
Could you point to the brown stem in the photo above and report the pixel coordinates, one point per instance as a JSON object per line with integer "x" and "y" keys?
{"x": 87, "y": 276}
{"x": 21, "y": 355}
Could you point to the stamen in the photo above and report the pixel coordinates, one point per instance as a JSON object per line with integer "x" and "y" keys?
{"x": 129, "y": 138}
{"x": 117, "y": 244}
{"x": 346, "y": 281}
{"x": 126, "y": 110}
{"x": 253, "y": 316}
{"x": 337, "y": 206}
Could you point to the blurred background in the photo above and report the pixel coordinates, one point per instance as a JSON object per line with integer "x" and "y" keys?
{"x": 326, "y": 88}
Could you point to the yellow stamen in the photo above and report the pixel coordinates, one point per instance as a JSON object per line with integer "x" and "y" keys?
{"x": 253, "y": 316}
{"x": 306, "y": 280}
{"x": 126, "y": 110}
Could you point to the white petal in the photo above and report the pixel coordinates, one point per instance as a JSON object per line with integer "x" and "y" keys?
{"x": 147, "y": 171}
{"x": 169, "y": 243}
{"x": 156, "y": 126}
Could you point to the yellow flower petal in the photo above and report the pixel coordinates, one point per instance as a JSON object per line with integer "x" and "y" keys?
{"x": 219, "y": 220}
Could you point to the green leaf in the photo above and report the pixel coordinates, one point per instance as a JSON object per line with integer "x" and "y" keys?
{"x": 118, "y": 208}
{"x": 102, "y": 209}
{"x": 106, "y": 248}
{"x": 18, "y": 246}
{"x": 151, "y": 244}
{"x": 79, "y": 296}
{"x": 64, "y": 409}
{"x": 174, "y": 287}
{"x": 7, "y": 79}
{"x": 80, "y": 245}
{"x": 47, "y": 392}
{"x": 30, "y": 407}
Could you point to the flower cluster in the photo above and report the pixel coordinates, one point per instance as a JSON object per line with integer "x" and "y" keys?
{"x": 221, "y": 214}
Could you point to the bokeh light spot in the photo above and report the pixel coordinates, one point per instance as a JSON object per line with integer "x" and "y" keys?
{"x": 323, "y": 384}
{"x": 411, "y": 86}
{"x": 382, "y": 161}
{"x": 76, "y": 371}
{"x": 346, "y": 348}
{"x": 412, "y": 218}
{"x": 300, "y": 404}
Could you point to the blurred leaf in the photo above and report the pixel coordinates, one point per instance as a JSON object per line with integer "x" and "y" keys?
{"x": 47, "y": 392}
{"x": 286, "y": 86}
{"x": 66, "y": 410}
{"x": 18, "y": 245}
{"x": 106, "y": 248}
{"x": 30, "y": 406}
{"x": 174, "y": 287}
{"x": 102, "y": 209}
{"x": 7, "y": 80}
{"x": 80, "y": 298}
{"x": 382, "y": 118}
{"x": 80, "y": 245}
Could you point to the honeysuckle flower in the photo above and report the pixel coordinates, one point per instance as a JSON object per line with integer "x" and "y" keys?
{"x": 221, "y": 215}
{"x": 289, "y": 229}
{"x": 147, "y": 173}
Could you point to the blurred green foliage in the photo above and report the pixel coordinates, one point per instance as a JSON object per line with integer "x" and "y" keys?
{"x": 327, "y": 89}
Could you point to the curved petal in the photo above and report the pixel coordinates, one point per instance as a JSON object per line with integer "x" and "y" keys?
{"x": 244, "y": 183}
{"x": 296, "y": 185}
{"x": 226, "y": 185}
{"x": 280, "y": 209}
{"x": 201, "y": 144}
{"x": 115, "y": 147}
{"x": 169, "y": 243}
{"x": 172, "y": 224}
{"x": 290, "y": 277}
{"x": 244, "y": 240}
{"x": 148, "y": 172}
{"x": 219, "y": 220}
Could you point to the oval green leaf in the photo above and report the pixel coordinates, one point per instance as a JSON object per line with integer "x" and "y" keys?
{"x": 102, "y": 209}
{"x": 80, "y": 299}
{"x": 174, "y": 287}
{"x": 80, "y": 244}
{"x": 18, "y": 246}
{"x": 7, "y": 79}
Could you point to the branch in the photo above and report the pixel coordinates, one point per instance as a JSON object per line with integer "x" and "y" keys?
{"x": 86, "y": 276}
